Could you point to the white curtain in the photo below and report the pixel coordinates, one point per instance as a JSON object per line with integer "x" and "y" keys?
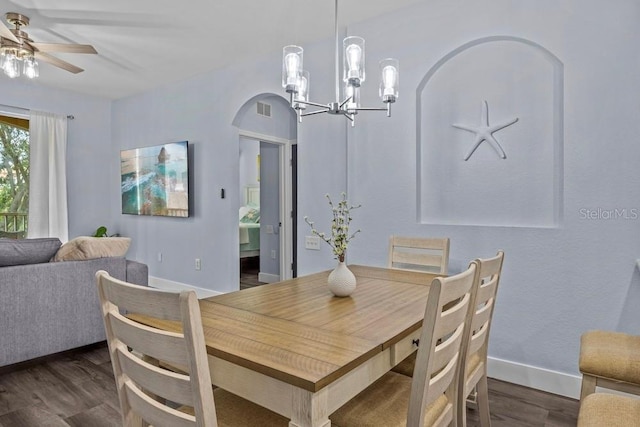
{"x": 48, "y": 176}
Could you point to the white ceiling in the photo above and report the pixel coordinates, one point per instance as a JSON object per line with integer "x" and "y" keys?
{"x": 143, "y": 44}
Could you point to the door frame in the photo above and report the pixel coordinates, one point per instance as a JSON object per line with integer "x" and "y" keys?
{"x": 286, "y": 198}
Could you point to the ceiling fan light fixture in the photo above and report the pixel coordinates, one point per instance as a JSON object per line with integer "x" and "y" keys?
{"x": 11, "y": 66}
{"x": 18, "y": 51}
{"x": 30, "y": 67}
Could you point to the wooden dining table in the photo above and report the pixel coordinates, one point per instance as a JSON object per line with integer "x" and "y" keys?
{"x": 297, "y": 350}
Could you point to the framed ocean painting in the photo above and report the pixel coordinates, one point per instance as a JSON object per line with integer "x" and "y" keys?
{"x": 155, "y": 180}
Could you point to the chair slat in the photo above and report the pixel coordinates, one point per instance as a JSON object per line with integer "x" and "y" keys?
{"x": 416, "y": 259}
{"x": 491, "y": 266}
{"x": 159, "y": 344}
{"x": 477, "y": 340}
{"x": 420, "y": 242}
{"x": 482, "y": 315}
{"x": 161, "y": 382}
{"x": 448, "y": 349}
{"x": 154, "y": 412}
{"x": 452, "y": 318}
{"x": 142, "y": 300}
{"x": 487, "y": 290}
{"x": 419, "y": 254}
{"x": 441, "y": 382}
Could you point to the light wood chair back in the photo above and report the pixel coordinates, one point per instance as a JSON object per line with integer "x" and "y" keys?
{"x": 419, "y": 254}
{"x": 142, "y": 386}
{"x": 474, "y": 370}
{"x": 438, "y": 359}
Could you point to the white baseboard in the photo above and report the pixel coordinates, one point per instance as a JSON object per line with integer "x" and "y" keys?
{"x": 268, "y": 278}
{"x": 534, "y": 377}
{"x": 170, "y": 285}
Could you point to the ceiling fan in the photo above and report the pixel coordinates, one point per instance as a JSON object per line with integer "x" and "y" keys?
{"x": 15, "y": 45}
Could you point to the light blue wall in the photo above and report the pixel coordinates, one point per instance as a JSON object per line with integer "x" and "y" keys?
{"x": 558, "y": 282}
{"x": 89, "y": 174}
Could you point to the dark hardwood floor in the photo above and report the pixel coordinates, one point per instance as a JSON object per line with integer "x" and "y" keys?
{"x": 77, "y": 389}
{"x": 249, "y": 268}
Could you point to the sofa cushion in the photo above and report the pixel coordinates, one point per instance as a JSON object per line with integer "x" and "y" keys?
{"x": 84, "y": 247}
{"x": 27, "y": 251}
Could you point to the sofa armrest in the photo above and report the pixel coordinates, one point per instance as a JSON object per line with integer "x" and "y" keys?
{"x": 137, "y": 273}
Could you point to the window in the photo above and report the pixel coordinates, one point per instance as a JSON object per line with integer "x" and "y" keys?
{"x": 14, "y": 176}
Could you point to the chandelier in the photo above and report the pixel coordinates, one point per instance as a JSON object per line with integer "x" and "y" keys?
{"x": 18, "y": 56}
{"x": 295, "y": 80}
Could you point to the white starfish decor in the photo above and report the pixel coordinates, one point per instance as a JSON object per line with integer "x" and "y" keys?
{"x": 485, "y": 132}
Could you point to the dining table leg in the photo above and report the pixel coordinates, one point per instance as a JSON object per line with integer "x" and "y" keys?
{"x": 309, "y": 409}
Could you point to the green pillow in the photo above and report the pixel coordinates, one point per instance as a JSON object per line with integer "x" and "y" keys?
{"x": 251, "y": 217}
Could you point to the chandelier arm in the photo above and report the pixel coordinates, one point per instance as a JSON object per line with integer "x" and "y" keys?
{"x": 369, "y": 109}
{"x": 343, "y": 103}
{"x": 314, "y": 104}
{"x": 311, "y": 113}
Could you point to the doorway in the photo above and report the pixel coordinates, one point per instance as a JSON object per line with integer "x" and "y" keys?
{"x": 267, "y": 132}
{"x": 267, "y": 209}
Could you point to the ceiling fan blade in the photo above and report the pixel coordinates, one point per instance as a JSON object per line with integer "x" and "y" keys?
{"x": 6, "y": 33}
{"x": 64, "y": 48}
{"x": 58, "y": 62}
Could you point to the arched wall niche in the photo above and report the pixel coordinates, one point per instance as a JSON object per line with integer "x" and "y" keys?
{"x": 499, "y": 78}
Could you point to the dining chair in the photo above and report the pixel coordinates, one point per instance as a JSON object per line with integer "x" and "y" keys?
{"x": 609, "y": 410}
{"x": 430, "y": 397}
{"x": 609, "y": 360}
{"x": 150, "y": 394}
{"x": 473, "y": 377}
{"x": 419, "y": 254}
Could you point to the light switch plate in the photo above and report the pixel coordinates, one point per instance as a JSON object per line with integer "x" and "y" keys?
{"x": 312, "y": 243}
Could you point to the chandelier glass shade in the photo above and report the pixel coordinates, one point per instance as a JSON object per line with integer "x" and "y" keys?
{"x": 295, "y": 80}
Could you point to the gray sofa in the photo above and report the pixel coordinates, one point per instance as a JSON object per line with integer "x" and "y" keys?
{"x": 50, "y": 307}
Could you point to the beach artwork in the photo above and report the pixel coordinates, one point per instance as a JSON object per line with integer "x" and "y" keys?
{"x": 155, "y": 180}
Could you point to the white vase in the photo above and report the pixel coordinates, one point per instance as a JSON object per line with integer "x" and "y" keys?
{"x": 341, "y": 281}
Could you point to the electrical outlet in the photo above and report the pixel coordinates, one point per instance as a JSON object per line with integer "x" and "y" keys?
{"x": 269, "y": 229}
{"x": 312, "y": 242}
{"x": 159, "y": 256}
{"x": 273, "y": 254}
{"x": 198, "y": 264}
